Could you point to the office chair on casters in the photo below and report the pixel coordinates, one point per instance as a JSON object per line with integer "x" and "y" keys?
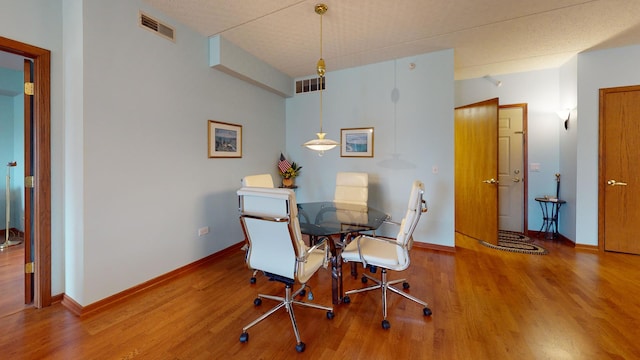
{"x": 270, "y": 223}
{"x": 389, "y": 254}
{"x": 350, "y": 197}
{"x": 259, "y": 180}
{"x": 352, "y": 188}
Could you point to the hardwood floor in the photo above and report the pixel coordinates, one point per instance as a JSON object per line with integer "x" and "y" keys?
{"x": 11, "y": 278}
{"x": 487, "y": 304}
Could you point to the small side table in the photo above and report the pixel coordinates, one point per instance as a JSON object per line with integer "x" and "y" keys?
{"x": 550, "y": 209}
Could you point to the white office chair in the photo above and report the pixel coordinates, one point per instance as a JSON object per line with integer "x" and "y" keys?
{"x": 352, "y": 188}
{"x": 270, "y": 223}
{"x": 389, "y": 254}
{"x": 260, "y": 180}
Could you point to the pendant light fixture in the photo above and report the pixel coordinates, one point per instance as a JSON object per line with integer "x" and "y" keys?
{"x": 321, "y": 144}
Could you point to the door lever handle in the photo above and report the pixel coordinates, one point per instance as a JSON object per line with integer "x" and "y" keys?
{"x": 515, "y": 179}
{"x": 616, "y": 183}
{"x": 490, "y": 181}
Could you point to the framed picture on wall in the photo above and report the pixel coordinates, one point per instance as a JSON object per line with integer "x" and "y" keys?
{"x": 356, "y": 142}
{"x": 225, "y": 140}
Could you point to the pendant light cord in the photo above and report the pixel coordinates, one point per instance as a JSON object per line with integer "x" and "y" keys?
{"x": 321, "y": 84}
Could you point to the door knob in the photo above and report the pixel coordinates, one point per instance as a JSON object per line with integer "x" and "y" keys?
{"x": 490, "y": 181}
{"x": 616, "y": 183}
{"x": 515, "y": 179}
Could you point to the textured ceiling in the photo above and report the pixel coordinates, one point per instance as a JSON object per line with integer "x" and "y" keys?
{"x": 490, "y": 37}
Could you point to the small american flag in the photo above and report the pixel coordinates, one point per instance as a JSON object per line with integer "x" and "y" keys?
{"x": 283, "y": 164}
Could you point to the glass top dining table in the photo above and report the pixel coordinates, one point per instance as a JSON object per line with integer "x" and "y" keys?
{"x": 329, "y": 219}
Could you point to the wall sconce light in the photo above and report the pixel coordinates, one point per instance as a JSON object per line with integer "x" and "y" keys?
{"x": 492, "y": 80}
{"x": 565, "y": 114}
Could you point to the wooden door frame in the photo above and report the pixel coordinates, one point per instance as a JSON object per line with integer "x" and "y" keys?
{"x": 525, "y": 160}
{"x": 41, "y": 164}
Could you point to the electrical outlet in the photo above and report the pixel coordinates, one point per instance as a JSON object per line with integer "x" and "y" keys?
{"x": 203, "y": 231}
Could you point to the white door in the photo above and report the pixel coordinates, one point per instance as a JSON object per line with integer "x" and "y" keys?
{"x": 511, "y": 171}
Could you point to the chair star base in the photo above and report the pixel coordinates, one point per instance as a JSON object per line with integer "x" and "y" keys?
{"x": 385, "y": 285}
{"x": 286, "y": 302}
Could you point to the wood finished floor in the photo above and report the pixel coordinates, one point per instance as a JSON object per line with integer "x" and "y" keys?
{"x": 11, "y": 279}
{"x": 487, "y": 304}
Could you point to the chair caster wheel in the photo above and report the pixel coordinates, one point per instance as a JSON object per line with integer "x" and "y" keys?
{"x": 252, "y": 280}
{"x": 426, "y": 311}
{"x": 244, "y": 337}
{"x": 257, "y": 302}
{"x": 405, "y": 285}
{"x": 303, "y": 293}
{"x": 330, "y": 315}
{"x": 300, "y": 347}
{"x": 385, "y": 324}
{"x": 346, "y": 299}
{"x": 373, "y": 269}
{"x": 364, "y": 279}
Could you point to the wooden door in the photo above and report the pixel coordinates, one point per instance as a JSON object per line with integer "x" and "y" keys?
{"x": 28, "y": 191}
{"x": 511, "y": 169}
{"x": 619, "y": 187}
{"x": 476, "y": 170}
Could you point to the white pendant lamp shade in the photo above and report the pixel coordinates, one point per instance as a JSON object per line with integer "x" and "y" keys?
{"x": 321, "y": 144}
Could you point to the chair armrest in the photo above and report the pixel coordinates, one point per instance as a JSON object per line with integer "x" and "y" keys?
{"x": 382, "y": 239}
{"x": 320, "y": 245}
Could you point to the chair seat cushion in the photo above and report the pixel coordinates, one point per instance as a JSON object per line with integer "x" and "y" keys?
{"x": 374, "y": 252}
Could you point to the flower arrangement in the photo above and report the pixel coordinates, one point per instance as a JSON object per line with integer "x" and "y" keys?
{"x": 288, "y": 170}
{"x": 291, "y": 172}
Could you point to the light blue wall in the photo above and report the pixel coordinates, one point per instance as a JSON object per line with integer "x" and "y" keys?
{"x": 6, "y": 149}
{"x": 568, "y": 149}
{"x": 147, "y": 181}
{"x": 12, "y": 145}
{"x": 418, "y": 128}
{"x": 539, "y": 89}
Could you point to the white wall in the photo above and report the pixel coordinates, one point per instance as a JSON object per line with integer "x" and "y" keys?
{"x": 596, "y": 70}
{"x": 540, "y": 90}
{"x": 418, "y": 129}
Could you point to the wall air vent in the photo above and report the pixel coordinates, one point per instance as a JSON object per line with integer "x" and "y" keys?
{"x": 308, "y": 85}
{"x": 157, "y": 27}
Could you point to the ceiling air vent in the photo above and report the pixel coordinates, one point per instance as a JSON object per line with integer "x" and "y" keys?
{"x": 156, "y": 26}
{"x": 308, "y": 85}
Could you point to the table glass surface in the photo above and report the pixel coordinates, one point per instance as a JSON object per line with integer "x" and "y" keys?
{"x": 328, "y": 218}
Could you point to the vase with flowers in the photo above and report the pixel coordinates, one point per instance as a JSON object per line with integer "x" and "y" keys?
{"x": 289, "y": 174}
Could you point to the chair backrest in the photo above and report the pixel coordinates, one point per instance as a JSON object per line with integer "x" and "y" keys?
{"x": 261, "y": 180}
{"x": 352, "y": 188}
{"x": 415, "y": 208}
{"x": 269, "y": 220}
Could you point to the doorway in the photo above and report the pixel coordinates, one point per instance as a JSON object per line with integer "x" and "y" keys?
{"x": 13, "y": 112}
{"x": 490, "y": 183}
{"x": 40, "y": 168}
{"x": 512, "y": 172}
{"x": 618, "y": 190}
